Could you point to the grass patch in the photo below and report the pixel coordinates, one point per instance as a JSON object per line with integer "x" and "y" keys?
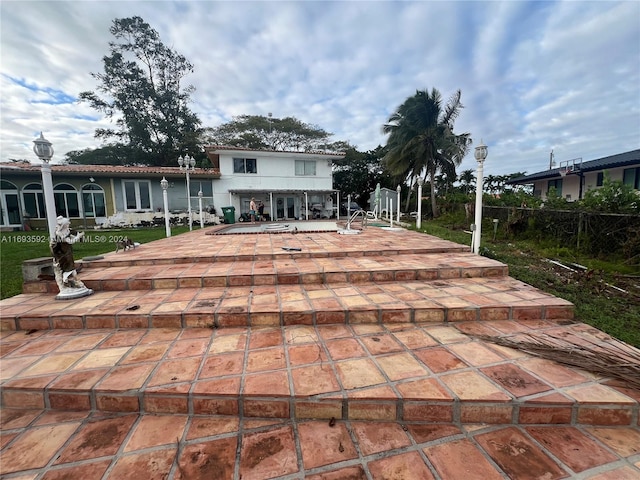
{"x": 593, "y": 292}
{"x": 16, "y": 247}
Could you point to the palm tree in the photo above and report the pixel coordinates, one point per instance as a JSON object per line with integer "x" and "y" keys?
{"x": 466, "y": 178}
{"x": 421, "y": 139}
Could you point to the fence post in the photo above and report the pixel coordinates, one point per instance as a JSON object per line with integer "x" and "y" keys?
{"x": 580, "y": 219}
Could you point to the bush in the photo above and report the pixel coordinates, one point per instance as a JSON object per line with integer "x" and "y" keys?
{"x": 612, "y": 197}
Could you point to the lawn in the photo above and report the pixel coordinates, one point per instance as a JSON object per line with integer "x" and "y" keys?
{"x": 606, "y": 295}
{"x": 16, "y": 247}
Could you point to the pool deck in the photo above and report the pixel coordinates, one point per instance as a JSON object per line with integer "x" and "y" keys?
{"x": 308, "y": 355}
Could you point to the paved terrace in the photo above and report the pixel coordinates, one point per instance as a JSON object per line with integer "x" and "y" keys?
{"x": 354, "y": 357}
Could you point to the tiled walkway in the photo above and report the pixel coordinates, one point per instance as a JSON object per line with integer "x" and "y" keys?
{"x": 47, "y": 445}
{"x": 353, "y": 358}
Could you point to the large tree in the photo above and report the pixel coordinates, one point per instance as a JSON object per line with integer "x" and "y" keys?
{"x": 358, "y": 173}
{"x": 268, "y": 133}
{"x": 421, "y": 139}
{"x": 141, "y": 90}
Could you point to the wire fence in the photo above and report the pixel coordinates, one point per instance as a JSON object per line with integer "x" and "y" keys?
{"x": 597, "y": 234}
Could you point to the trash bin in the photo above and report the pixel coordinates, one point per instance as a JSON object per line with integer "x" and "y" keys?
{"x": 229, "y": 214}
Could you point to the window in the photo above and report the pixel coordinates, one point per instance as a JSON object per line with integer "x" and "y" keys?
{"x": 66, "y": 198}
{"x": 557, "y": 184}
{"x": 137, "y": 194}
{"x": 245, "y": 165}
{"x": 600, "y": 179}
{"x": 195, "y": 186}
{"x": 33, "y": 200}
{"x": 305, "y": 167}
{"x": 631, "y": 177}
{"x": 10, "y": 207}
{"x": 93, "y": 201}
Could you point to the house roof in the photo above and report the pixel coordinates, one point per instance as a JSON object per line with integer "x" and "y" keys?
{"x": 613, "y": 161}
{"x": 224, "y": 149}
{"x": 26, "y": 168}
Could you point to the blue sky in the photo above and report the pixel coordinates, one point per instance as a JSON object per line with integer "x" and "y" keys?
{"x": 534, "y": 76}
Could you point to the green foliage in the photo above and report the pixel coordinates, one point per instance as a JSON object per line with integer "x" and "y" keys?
{"x": 421, "y": 140}
{"x": 266, "y": 133}
{"x": 612, "y": 197}
{"x": 358, "y": 174}
{"x": 512, "y": 198}
{"x": 141, "y": 89}
{"x": 114, "y": 154}
{"x": 555, "y": 201}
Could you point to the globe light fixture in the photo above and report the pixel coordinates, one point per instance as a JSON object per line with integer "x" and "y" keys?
{"x": 188, "y": 164}
{"x": 44, "y": 151}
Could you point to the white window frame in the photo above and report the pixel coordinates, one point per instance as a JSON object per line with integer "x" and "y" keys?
{"x": 305, "y": 168}
{"x": 63, "y": 194}
{"x": 244, "y": 161}
{"x": 92, "y": 190}
{"x": 38, "y": 193}
{"x": 138, "y": 196}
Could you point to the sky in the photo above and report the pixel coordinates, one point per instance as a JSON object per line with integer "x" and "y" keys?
{"x": 535, "y": 76}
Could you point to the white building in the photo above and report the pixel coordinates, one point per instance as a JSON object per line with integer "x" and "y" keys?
{"x": 292, "y": 185}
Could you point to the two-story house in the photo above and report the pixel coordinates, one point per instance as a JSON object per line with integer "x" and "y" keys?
{"x": 290, "y": 184}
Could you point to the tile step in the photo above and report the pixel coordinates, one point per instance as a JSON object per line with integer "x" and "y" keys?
{"x": 399, "y": 268}
{"x": 196, "y": 247}
{"x": 452, "y": 300}
{"x": 403, "y": 372}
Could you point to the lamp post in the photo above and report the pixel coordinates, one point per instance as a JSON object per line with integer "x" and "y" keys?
{"x": 165, "y": 184}
{"x": 481, "y": 155}
{"x": 188, "y": 164}
{"x": 398, "y": 190}
{"x": 44, "y": 150}
{"x": 419, "y": 219}
{"x": 200, "y": 205}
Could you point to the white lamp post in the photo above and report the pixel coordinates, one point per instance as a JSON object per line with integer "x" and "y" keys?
{"x": 188, "y": 164}
{"x": 44, "y": 150}
{"x": 419, "y": 219}
{"x": 481, "y": 155}
{"x": 200, "y": 206}
{"x": 165, "y": 184}
{"x": 398, "y": 190}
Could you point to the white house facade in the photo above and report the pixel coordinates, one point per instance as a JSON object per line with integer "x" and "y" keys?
{"x": 291, "y": 185}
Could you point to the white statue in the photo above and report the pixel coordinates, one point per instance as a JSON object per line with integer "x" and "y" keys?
{"x": 63, "y": 263}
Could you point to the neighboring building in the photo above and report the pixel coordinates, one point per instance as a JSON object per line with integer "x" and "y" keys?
{"x": 118, "y": 195}
{"x": 574, "y": 177}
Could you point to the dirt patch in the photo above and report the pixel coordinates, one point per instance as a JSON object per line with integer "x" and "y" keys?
{"x": 206, "y": 303}
{"x": 101, "y": 438}
{"x": 262, "y": 449}
{"x": 512, "y": 381}
{"x": 208, "y": 464}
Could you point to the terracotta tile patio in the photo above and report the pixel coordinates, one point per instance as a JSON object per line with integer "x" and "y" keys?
{"x": 226, "y": 356}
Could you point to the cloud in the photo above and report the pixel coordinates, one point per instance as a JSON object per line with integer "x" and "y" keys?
{"x": 534, "y": 75}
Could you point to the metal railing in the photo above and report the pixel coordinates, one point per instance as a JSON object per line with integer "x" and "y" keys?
{"x": 354, "y": 216}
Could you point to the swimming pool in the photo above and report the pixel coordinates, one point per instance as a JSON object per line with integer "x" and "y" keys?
{"x": 279, "y": 227}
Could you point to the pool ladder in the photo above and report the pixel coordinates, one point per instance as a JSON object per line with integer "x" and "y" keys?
{"x": 354, "y": 216}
